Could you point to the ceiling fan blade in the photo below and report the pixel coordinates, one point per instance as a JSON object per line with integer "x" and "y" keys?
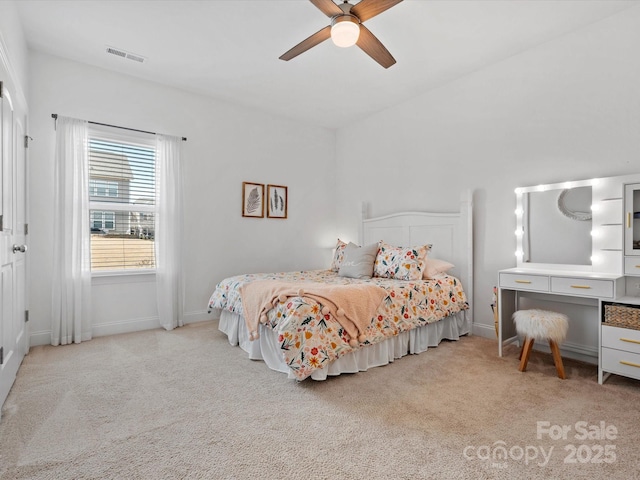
{"x": 372, "y": 47}
{"x": 327, "y": 7}
{"x": 367, "y": 9}
{"x": 318, "y": 37}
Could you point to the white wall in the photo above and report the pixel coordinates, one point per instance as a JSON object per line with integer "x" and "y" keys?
{"x": 226, "y": 145}
{"x": 568, "y": 109}
{"x": 13, "y": 44}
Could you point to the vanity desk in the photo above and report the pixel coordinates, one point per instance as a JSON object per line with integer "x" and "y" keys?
{"x": 574, "y": 293}
{"x": 578, "y": 253}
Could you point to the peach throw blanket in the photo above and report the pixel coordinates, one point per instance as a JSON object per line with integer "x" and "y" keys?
{"x": 353, "y": 305}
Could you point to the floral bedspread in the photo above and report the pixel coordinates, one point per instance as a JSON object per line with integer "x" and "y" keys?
{"x": 310, "y": 340}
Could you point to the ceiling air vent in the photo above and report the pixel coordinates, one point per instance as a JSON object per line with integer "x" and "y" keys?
{"x": 136, "y": 58}
{"x": 124, "y": 54}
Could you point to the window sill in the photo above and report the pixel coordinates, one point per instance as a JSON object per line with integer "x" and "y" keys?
{"x": 123, "y": 276}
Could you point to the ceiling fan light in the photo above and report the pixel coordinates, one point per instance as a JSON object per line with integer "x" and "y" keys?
{"x": 345, "y": 31}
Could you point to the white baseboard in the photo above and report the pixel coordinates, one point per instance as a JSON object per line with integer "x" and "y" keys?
{"x": 486, "y": 331}
{"x": 101, "y": 330}
{"x": 583, "y": 353}
{"x": 125, "y": 326}
{"x": 148, "y": 323}
{"x": 200, "y": 316}
{"x": 574, "y": 351}
{"x": 43, "y": 337}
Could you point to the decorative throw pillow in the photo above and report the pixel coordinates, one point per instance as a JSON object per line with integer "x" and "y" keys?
{"x": 401, "y": 263}
{"x": 435, "y": 266}
{"x": 338, "y": 255}
{"x": 358, "y": 261}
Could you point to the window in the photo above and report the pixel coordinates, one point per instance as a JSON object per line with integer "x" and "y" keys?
{"x": 101, "y": 188}
{"x": 103, "y": 221}
{"x": 121, "y": 201}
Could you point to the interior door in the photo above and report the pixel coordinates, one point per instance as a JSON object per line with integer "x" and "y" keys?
{"x": 14, "y": 341}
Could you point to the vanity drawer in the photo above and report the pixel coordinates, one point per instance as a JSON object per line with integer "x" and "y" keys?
{"x": 537, "y": 283}
{"x": 621, "y": 363}
{"x": 582, "y": 286}
{"x": 621, "y": 339}
{"x": 632, "y": 265}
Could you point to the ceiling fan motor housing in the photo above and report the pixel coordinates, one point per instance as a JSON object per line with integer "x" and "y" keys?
{"x": 346, "y": 16}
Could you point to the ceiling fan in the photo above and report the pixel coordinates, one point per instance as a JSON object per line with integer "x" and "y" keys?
{"x": 347, "y": 29}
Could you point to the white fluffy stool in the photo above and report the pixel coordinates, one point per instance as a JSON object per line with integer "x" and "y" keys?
{"x": 541, "y": 325}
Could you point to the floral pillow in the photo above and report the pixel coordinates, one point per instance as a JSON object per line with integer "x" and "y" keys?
{"x": 401, "y": 263}
{"x": 338, "y": 255}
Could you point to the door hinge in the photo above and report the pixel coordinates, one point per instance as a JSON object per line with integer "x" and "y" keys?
{"x": 26, "y": 141}
{"x": 26, "y": 229}
{"x": 0, "y": 223}
{"x": 1, "y": 355}
{"x": 1, "y": 91}
{"x": 26, "y": 316}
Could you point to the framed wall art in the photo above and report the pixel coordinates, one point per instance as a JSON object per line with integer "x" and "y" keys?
{"x": 252, "y": 200}
{"x": 276, "y": 201}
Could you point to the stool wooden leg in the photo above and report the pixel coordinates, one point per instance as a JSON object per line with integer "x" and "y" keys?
{"x": 526, "y": 352}
{"x": 557, "y": 359}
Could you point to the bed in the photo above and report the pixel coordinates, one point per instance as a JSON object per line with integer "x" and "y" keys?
{"x": 302, "y": 330}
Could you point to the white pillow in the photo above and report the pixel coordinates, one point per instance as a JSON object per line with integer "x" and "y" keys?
{"x": 435, "y": 266}
{"x": 358, "y": 261}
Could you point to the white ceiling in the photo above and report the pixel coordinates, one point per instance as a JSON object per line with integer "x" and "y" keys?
{"x": 229, "y": 49}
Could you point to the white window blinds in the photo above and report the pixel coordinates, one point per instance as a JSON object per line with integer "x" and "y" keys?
{"x": 122, "y": 191}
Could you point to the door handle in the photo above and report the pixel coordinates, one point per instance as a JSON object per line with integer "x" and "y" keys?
{"x": 19, "y": 248}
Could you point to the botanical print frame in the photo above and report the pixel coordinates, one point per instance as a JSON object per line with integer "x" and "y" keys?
{"x": 252, "y": 200}
{"x": 277, "y": 201}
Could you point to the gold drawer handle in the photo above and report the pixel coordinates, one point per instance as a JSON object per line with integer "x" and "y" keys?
{"x": 628, "y": 219}
{"x": 523, "y": 281}
{"x": 580, "y": 286}
{"x": 630, "y": 340}
{"x": 631, "y": 364}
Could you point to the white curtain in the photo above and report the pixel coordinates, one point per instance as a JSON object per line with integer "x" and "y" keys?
{"x": 71, "y": 302}
{"x": 168, "y": 234}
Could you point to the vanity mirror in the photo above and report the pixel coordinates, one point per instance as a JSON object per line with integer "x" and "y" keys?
{"x": 554, "y": 224}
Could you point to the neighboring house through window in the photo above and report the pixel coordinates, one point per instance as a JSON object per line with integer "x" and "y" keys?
{"x": 121, "y": 200}
{"x": 103, "y": 221}
{"x": 103, "y": 188}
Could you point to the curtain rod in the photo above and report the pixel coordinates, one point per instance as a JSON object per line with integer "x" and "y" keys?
{"x": 55, "y": 117}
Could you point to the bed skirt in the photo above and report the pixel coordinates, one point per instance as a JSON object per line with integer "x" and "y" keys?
{"x": 415, "y": 341}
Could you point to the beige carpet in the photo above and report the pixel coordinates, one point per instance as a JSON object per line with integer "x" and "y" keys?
{"x": 185, "y": 404}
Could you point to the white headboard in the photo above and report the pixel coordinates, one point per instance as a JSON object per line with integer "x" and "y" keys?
{"x": 451, "y": 235}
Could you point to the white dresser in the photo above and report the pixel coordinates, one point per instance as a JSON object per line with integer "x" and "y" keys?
{"x": 619, "y": 345}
